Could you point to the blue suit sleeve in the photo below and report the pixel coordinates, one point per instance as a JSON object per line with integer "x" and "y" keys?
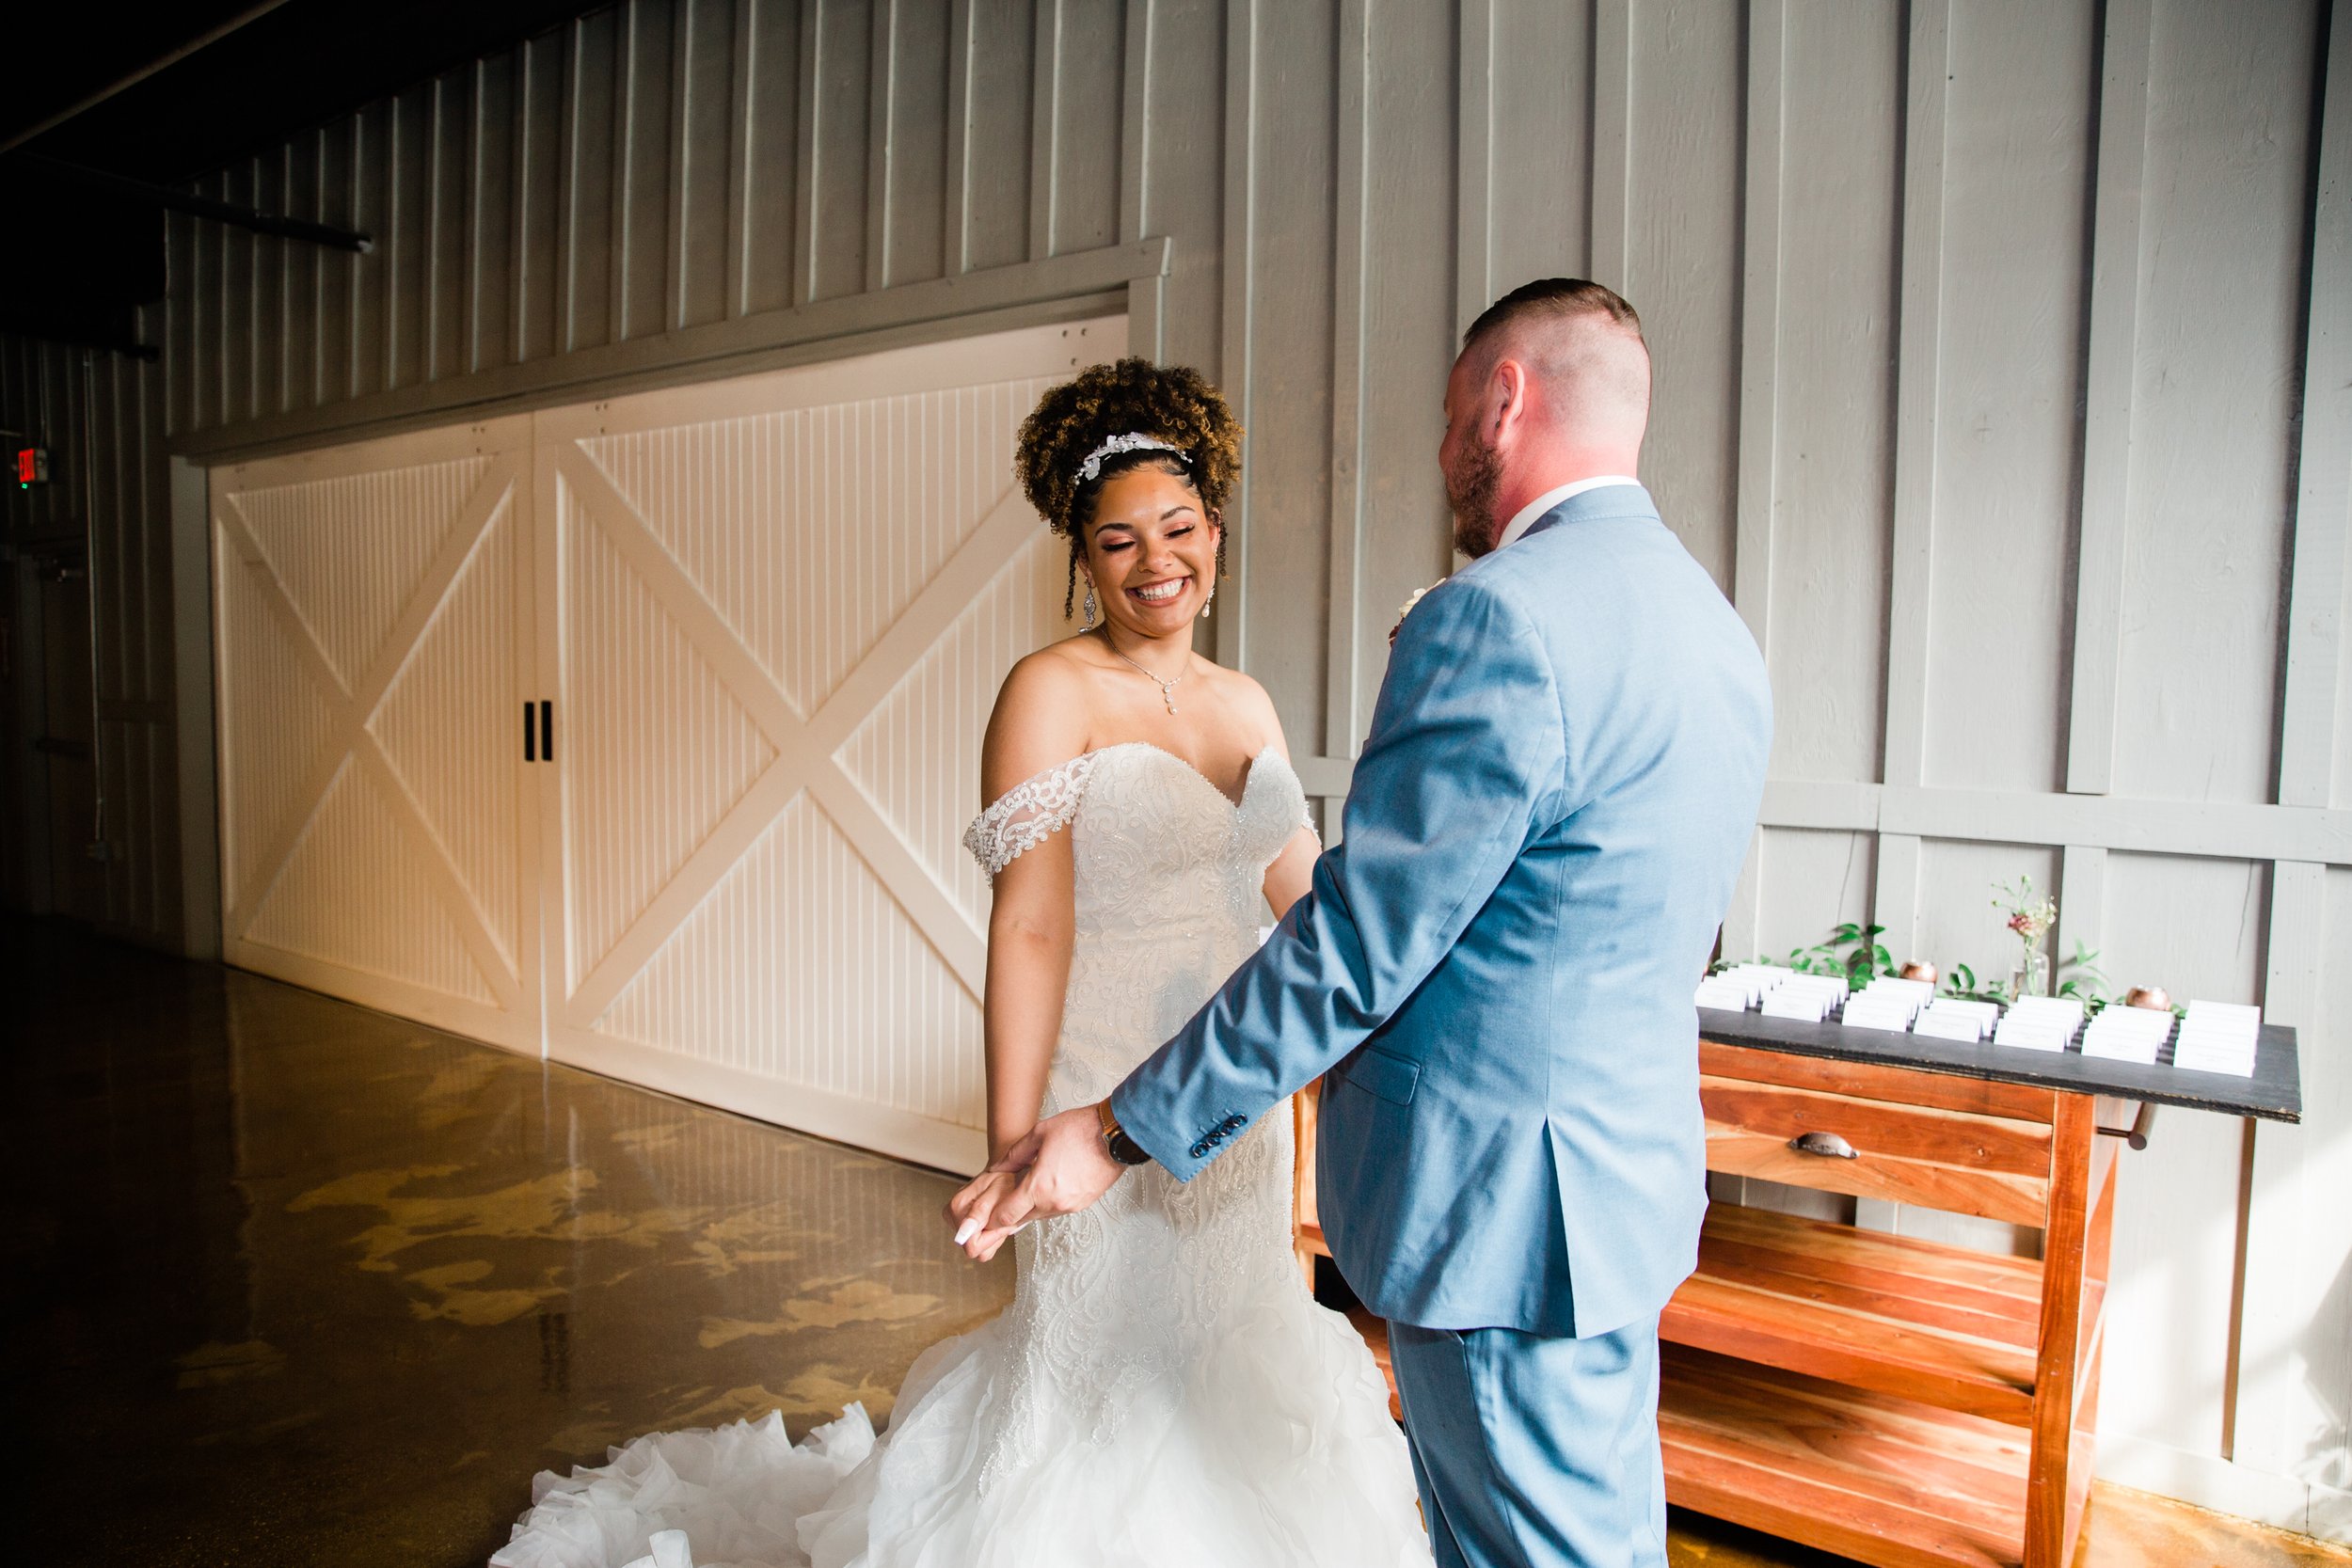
{"x": 1467, "y": 754}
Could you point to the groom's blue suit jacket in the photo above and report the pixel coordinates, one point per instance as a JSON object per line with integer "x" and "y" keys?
{"x": 1496, "y": 963}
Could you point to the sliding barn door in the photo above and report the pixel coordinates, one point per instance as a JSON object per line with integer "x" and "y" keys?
{"x": 377, "y": 841}
{"x": 781, "y": 607}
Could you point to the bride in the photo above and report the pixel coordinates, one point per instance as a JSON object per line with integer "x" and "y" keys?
{"x": 1163, "y": 1389}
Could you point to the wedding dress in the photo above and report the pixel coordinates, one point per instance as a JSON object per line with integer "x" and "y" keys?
{"x": 1163, "y": 1389}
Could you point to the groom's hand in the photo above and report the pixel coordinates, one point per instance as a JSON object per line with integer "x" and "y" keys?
{"x": 1068, "y": 1169}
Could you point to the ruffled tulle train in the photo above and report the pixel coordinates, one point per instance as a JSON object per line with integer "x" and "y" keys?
{"x": 1278, "y": 1452}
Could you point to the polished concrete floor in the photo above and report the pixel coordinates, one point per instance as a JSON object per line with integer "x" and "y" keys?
{"x": 286, "y": 1281}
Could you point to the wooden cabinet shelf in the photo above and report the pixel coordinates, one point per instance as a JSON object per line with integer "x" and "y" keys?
{"x": 1939, "y": 1324}
{"x": 1906, "y": 1403}
{"x": 1887, "y": 1480}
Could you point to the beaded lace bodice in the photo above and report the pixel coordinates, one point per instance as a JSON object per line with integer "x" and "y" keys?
{"x": 1113, "y": 1303}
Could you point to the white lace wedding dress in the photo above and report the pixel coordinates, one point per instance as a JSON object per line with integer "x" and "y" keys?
{"x": 1163, "y": 1389}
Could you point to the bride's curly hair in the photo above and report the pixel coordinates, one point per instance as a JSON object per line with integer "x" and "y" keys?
{"x": 1174, "y": 403}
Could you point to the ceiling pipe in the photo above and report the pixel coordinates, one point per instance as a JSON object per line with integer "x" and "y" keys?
{"x": 201, "y": 40}
{"x": 200, "y": 206}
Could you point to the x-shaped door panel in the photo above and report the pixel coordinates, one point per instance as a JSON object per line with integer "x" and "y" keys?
{"x": 352, "y": 741}
{"x": 805, "y": 748}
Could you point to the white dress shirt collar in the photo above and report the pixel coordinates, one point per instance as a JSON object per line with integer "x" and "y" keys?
{"x": 1549, "y": 499}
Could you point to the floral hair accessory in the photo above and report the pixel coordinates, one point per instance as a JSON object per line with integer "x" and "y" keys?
{"x": 1131, "y": 441}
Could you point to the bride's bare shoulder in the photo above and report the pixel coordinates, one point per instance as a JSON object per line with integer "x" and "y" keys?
{"x": 1249, "y": 703}
{"x": 1040, "y": 720}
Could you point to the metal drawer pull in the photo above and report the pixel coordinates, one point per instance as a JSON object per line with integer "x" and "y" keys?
{"x": 1826, "y": 1144}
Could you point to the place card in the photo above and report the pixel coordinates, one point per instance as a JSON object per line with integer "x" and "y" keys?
{"x": 2121, "y": 1034}
{"x": 1807, "y": 998}
{"x": 2040, "y": 1023}
{"x": 1948, "y": 1018}
{"x": 1724, "y": 993}
{"x": 1755, "y": 981}
{"x": 1887, "y": 1003}
{"x": 2219, "y": 1036}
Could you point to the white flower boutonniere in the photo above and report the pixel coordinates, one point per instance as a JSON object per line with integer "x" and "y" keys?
{"x": 1406, "y": 608}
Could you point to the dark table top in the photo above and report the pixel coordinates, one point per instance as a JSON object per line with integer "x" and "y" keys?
{"x": 2275, "y": 1092}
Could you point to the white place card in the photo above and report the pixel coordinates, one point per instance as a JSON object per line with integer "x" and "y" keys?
{"x": 1949, "y": 1018}
{"x": 2121, "y": 1034}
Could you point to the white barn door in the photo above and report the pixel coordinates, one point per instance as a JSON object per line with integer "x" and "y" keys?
{"x": 373, "y": 604}
{"x": 781, "y": 607}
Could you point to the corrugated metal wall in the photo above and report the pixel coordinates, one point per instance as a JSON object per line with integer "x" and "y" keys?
{"x": 105, "y": 513}
{"x": 2001, "y": 378}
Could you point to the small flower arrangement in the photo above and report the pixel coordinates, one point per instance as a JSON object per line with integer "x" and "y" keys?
{"x": 1406, "y": 608}
{"x": 2030, "y": 916}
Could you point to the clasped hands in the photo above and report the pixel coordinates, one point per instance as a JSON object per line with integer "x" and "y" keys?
{"x": 1059, "y": 1168}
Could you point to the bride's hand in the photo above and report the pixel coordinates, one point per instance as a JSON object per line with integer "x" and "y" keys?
{"x": 976, "y": 1204}
{"x": 1068, "y": 1169}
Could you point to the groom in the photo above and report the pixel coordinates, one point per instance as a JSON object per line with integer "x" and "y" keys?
{"x": 1496, "y": 963}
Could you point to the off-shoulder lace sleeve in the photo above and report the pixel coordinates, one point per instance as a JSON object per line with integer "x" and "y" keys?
{"x": 1028, "y": 814}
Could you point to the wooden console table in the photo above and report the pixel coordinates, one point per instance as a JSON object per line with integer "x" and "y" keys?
{"x": 1895, "y": 1401}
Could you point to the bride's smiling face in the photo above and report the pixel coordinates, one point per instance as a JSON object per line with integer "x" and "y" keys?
{"x": 1150, "y": 551}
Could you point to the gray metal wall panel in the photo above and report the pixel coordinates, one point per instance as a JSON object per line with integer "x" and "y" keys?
{"x": 1541, "y": 61}
{"x": 1683, "y": 260}
{"x": 2002, "y": 594}
{"x": 996, "y": 181}
{"x": 844, "y": 30}
{"x": 1404, "y": 332}
{"x": 1284, "y": 537}
{"x": 100, "y": 416}
{"x": 916, "y": 191}
{"x": 1085, "y": 160}
{"x": 1831, "y": 523}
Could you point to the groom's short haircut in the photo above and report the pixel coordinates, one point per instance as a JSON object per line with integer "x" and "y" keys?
{"x": 1553, "y": 297}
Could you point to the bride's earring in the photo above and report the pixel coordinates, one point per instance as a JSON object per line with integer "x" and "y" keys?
{"x": 1090, "y": 626}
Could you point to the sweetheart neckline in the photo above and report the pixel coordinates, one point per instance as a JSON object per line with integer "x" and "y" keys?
{"x": 1249, "y": 777}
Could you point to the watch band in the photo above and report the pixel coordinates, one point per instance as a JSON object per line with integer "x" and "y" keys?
{"x": 1115, "y": 1140}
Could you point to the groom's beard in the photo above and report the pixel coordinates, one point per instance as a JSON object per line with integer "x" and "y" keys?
{"x": 1470, "y": 487}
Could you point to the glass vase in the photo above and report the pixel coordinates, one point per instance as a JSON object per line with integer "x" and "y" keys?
{"x": 2031, "y": 977}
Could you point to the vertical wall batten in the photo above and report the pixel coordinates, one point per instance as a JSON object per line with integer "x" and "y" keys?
{"x": 1134, "y": 119}
{"x": 622, "y": 254}
{"x": 881, "y": 94}
{"x": 1759, "y": 383}
{"x": 808, "y": 238}
{"x": 1146, "y": 297}
{"x": 2108, "y": 395}
{"x": 1350, "y": 256}
{"x": 1613, "y": 139}
{"x": 1759, "y": 315}
{"x": 1894, "y": 904}
{"x": 678, "y": 254}
{"x": 1044, "y": 122}
{"x": 956, "y": 193}
{"x": 1475, "y": 170}
{"x": 741, "y": 197}
{"x": 1239, "y": 259}
{"x": 2317, "y": 578}
{"x": 2289, "y": 1240}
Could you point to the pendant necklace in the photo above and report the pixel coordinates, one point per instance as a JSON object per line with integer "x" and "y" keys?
{"x": 1168, "y": 687}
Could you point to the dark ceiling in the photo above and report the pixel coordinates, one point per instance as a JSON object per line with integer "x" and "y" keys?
{"x": 217, "y": 79}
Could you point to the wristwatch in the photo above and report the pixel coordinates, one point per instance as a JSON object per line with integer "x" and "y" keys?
{"x": 1115, "y": 1140}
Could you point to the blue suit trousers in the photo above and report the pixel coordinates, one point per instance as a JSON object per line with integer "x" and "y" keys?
{"x": 1535, "y": 1450}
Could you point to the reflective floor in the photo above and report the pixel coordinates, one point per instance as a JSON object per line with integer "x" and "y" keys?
{"x": 286, "y": 1281}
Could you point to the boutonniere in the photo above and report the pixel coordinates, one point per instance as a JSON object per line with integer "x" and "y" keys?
{"x": 1406, "y": 608}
